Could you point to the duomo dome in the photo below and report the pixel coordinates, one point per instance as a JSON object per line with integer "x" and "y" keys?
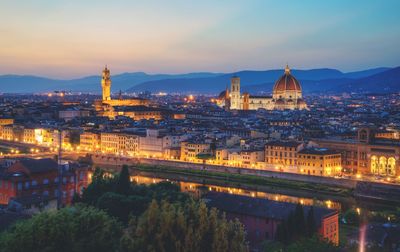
{"x": 287, "y": 87}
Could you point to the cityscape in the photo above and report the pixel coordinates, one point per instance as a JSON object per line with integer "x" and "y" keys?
{"x": 294, "y": 155}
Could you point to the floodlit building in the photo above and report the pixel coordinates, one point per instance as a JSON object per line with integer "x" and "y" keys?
{"x": 366, "y": 154}
{"x": 286, "y": 94}
{"x": 319, "y": 162}
{"x": 282, "y": 156}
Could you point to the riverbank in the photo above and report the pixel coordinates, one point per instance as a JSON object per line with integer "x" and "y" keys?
{"x": 249, "y": 179}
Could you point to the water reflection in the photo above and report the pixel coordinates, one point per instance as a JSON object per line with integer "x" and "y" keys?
{"x": 198, "y": 189}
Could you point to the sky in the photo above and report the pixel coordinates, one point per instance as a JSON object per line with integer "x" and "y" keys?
{"x": 73, "y": 38}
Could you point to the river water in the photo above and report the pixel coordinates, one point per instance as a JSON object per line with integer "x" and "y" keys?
{"x": 197, "y": 187}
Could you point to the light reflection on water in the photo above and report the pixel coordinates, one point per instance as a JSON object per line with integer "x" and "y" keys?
{"x": 198, "y": 189}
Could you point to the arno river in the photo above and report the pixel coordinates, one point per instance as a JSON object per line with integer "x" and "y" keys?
{"x": 198, "y": 187}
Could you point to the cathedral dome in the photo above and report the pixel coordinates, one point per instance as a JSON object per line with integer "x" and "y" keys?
{"x": 287, "y": 83}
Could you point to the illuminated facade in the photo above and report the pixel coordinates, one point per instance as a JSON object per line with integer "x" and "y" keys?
{"x": 191, "y": 150}
{"x": 366, "y": 154}
{"x": 282, "y": 156}
{"x": 117, "y": 143}
{"x": 90, "y": 141}
{"x": 319, "y": 162}
{"x": 107, "y": 102}
{"x": 287, "y": 94}
{"x": 106, "y": 84}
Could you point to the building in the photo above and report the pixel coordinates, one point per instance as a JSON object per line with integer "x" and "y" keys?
{"x": 366, "y": 154}
{"x": 261, "y": 217}
{"x": 72, "y": 113}
{"x": 26, "y": 177}
{"x": 137, "y": 113}
{"x": 157, "y": 143}
{"x": 319, "y": 162}
{"x": 190, "y": 150}
{"x": 286, "y": 94}
{"x": 282, "y": 156}
{"x": 6, "y": 121}
{"x": 108, "y": 102}
{"x": 90, "y": 141}
{"x": 118, "y": 143}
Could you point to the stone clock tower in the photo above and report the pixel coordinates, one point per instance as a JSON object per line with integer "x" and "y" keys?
{"x": 106, "y": 84}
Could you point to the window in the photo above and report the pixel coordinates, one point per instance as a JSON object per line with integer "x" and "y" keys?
{"x": 45, "y": 181}
{"x": 19, "y": 186}
{"x": 34, "y": 183}
{"x": 26, "y": 184}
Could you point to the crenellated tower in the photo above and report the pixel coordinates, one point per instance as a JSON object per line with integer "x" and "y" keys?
{"x": 106, "y": 84}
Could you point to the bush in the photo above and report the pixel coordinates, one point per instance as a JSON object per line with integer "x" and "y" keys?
{"x": 70, "y": 229}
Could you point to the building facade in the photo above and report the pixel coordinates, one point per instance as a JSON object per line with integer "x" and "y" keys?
{"x": 287, "y": 94}
{"x": 319, "y": 162}
{"x": 366, "y": 154}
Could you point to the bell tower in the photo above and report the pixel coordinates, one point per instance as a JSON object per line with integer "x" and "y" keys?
{"x": 235, "y": 93}
{"x": 106, "y": 84}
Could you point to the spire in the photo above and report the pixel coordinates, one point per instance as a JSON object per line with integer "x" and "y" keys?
{"x": 287, "y": 69}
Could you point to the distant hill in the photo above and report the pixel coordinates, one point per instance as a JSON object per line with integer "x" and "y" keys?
{"x": 314, "y": 80}
{"x": 255, "y": 81}
{"x": 383, "y": 82}
{"x": 31, "y": 84}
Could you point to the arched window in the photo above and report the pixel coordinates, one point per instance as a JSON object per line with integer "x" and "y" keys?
{"x": 363, "y": 135}
{"x": 391, "y": 166}
{"x": 382, "y": 165}
{"x": 374, "y": 165}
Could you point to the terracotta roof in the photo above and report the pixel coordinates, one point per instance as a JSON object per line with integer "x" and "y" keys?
{"x": 287, "y": 82}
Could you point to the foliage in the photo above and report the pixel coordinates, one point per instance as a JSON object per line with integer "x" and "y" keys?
{"x": 183, "y": 227}
{"x": 296, "y": 226}
{"x": 123, "y": 183}
{"x": 70, "y": 229}
{"x": 314, "y": 244}
{"x": 351, "y": 216}
{"x": 121, "y": 198}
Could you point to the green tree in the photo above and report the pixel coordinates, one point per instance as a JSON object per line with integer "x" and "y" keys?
{"x": 352, "y": 217}
{"x": 314, "y": 244}
{"x": 100, "y": 184}
{"x": 183, "y": 227}
{"x": 299, "y": 221}
{"x": 70, "y": 229}
{"x": 123, "y": 183}
{"x": 310, "y": 222}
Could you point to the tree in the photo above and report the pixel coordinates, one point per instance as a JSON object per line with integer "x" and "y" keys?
{"x": 123, "y": 183}
{"x": 311, "y": 226}
{"x": 352, "y": 217}
{"x": 315, "y": 244}
{"x": 100, "y": 184}
{"x": 122, "y": 206}
{"x": 299, "y": 221}
{"x": 70, "y": 229}
{"x": 183, "y": 227}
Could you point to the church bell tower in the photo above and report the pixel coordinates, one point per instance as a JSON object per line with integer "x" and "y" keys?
{"x": 106, "y": 84}
{"x": 235, "y": 93}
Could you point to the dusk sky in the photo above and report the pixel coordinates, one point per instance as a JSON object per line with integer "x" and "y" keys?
{"x": 74, "y": 38}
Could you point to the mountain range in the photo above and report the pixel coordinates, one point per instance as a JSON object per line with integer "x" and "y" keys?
{"x": 380, "y": 79}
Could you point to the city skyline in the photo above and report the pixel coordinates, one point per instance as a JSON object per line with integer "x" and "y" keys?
{"x": 68, "y": 39}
